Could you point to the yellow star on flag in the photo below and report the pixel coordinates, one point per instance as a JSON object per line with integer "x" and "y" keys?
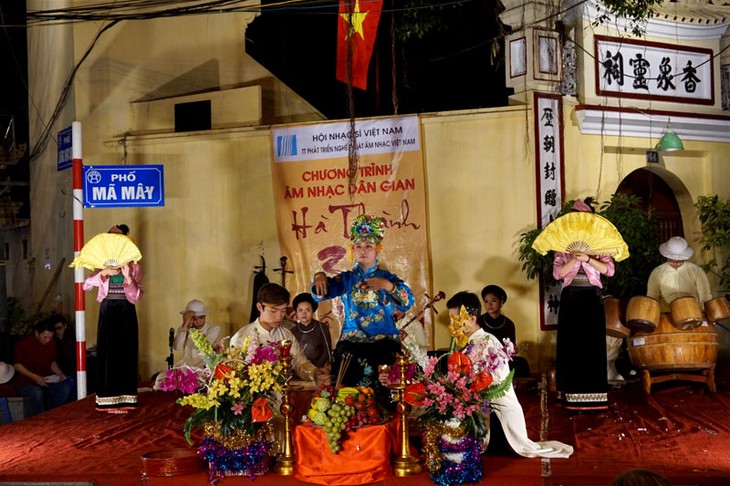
{"x": 355, "y": 21}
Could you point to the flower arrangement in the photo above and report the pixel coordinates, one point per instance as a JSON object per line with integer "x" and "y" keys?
{"x": 233, "y": 399}
{"x": 455, "y": 401}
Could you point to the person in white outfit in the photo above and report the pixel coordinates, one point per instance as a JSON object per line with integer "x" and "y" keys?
{"x": 272, "y": 302}
{"x": 194, "y": 316}
{"x": 507, "y": 409}
{"x": 677, "y": 277}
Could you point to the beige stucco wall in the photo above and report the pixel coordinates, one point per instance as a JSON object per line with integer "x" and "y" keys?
{"x": 217, "y": 219}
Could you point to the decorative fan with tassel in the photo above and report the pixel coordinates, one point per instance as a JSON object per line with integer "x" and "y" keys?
{"x": 582, "y": 232}
{"x": 107, "y": 250}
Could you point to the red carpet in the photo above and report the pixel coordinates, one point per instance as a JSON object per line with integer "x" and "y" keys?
{"x": 681, "y": 431}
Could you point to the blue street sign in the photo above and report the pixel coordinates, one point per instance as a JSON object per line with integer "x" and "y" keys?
{"x": 123, "y": 186}
{"x": 65, "y": 157}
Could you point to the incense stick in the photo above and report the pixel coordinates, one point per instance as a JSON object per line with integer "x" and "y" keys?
{"x": 344, "y": 363}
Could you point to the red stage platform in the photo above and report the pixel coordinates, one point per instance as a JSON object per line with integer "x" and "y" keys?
{"x": 680, "y": 431}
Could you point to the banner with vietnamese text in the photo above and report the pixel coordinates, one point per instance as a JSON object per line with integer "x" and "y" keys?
{"x": 316, "y": 201}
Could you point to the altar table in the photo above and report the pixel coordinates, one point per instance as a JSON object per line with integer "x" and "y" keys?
{"x": 365, "y": 456}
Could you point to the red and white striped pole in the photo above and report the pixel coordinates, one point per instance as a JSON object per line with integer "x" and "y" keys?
{"x": 78, "y": 210}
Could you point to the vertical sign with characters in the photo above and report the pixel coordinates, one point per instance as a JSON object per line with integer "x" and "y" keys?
{"x": 548, "y": 113}
{"x": 64, "y": 141}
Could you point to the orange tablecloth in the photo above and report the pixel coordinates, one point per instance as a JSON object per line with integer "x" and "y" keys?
{"x": 365, "y": 456}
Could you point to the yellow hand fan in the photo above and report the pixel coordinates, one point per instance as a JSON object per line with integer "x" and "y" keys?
{"x": 107, "y": 250}
{"x": 582, "y": 232}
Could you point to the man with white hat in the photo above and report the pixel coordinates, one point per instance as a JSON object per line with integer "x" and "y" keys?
{"x": 193, "y": 316}
{"x": 677, "y": 277}
{"x": 6, "y": 372}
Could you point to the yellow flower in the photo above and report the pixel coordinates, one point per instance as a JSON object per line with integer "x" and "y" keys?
{"x": 458, "y": 327}
{"x": 235, "y": 385}
{"x": 201, "y": 342}
{"x": 197, "y": 400}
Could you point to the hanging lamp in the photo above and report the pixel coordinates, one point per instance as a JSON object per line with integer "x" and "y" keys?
{"x": 670, "y": 142}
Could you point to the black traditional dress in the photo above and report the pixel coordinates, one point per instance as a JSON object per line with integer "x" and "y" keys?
{"x": 117, "y": 341}
{"x": 581, "y": 376}
{"x": 315, "y": 341}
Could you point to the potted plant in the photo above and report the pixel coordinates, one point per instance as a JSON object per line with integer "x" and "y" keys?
{"x": 715, "y": 221}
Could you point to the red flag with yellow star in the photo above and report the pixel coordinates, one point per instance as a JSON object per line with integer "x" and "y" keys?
{"x": 357, "y": 26}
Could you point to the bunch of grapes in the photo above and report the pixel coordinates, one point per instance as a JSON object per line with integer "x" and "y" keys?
{"x": 341, "y": 410}
{"x": 336, "y": 423}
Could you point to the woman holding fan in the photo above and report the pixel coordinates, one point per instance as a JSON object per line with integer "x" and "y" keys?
{"x": 119, "y": 285}
{"x": 581, "y": 341}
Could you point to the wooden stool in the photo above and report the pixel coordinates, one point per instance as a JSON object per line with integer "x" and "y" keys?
{"x": 706, "y": 376}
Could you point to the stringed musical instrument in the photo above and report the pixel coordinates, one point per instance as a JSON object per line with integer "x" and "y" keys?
{"x": 431, "y": 301}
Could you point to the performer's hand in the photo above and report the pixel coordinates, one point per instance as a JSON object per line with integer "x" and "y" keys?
{"x": 320, "y": 284}
{"x": 125, "y": 271}
{"x": 109, "y": 271}
{"x": 222, "y": 344}
{"x": 378, "y": 283}
{"x": 383, "y": 375}
{"x": 40, "y": 381}
{"x": 582, "y": 257}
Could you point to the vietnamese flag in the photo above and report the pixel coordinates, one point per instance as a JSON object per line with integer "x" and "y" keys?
{"x": 357, "y": 26}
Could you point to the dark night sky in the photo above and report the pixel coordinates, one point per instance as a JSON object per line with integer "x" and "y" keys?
{"x": 14, "y": 95}
{"x": 447, "y": 70}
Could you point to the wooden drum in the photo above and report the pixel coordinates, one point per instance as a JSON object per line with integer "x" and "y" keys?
{"x": 642, "y": 313}
{"x": 615, "y": 313}
{"x": 686, "y": 313}
{"x": 668, "y": 348}
{"x": 717, "y": 309}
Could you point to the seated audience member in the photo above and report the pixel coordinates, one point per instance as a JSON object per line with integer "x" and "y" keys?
{"x": 312, "y": 335}
{"x": 500, "y": 326}
{"x": 507, "y": 409}
{"x": 38, "y": 376}
{"x": 640, "y": 477}
{"x": 272, "y": 301}
{"x": 65, "y": 346}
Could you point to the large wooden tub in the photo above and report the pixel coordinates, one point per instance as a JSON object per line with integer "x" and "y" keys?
{"x": 669, "y": 348}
